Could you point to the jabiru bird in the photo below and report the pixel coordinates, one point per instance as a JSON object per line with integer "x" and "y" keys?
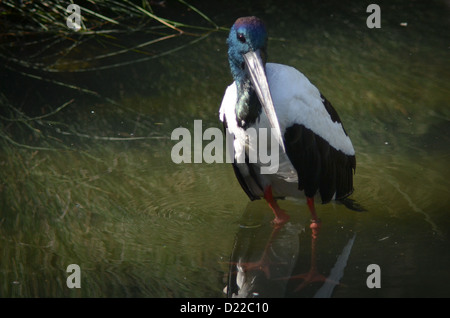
{"x": 316, "y": 156}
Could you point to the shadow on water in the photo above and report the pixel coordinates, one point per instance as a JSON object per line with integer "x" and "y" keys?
{"x": 284, "y": 261}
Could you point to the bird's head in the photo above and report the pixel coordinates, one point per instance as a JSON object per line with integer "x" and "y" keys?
{"x": 248, "y": 34}
{"x": 247, "y": 54}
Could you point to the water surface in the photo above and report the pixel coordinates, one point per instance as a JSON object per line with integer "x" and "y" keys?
{"x": 140, "y": 225}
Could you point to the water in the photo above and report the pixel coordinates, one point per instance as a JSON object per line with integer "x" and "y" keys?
{"x": 139, "y": 225}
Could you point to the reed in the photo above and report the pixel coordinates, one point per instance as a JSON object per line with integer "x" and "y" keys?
{"x": 37, "y": 44}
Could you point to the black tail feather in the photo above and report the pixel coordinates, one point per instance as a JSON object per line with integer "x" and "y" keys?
{"x": 352, "y": 205}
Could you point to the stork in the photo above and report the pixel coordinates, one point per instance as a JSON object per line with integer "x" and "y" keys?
{"x": 316, "y": 156}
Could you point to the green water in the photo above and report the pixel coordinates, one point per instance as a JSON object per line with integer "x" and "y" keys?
{"x": 139, "y": 225}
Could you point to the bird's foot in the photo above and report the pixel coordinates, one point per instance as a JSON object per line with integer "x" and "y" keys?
{"x": 281, "y": 217}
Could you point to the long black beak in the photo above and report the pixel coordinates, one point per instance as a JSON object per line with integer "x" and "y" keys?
{"x": 255, "y": 68}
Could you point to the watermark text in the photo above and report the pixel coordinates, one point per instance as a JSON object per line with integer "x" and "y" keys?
{"x": 255, "y": 147}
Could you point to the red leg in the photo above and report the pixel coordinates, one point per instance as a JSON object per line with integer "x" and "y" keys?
{"x": 315, "y": 222}
{"x": 264, "y": 263}
{"x": 280, "y": 215}
{"x": 313, "y": 274}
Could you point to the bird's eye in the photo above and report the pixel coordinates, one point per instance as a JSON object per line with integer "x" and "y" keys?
{"x": 241, "y": 37}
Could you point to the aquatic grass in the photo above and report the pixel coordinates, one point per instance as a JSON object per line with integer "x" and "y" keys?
{"x": 120, "y": 33}
{"x": 47, "y": 22}
{"x": 97, "y": 212}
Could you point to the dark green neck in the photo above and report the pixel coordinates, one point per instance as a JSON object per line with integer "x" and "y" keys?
{"x": 248, "y": 107}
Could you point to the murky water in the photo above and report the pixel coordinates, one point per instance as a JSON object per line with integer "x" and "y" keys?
{"x": 139, "y": 225}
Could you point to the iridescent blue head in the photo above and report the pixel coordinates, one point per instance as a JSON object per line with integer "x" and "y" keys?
{"x": 247, "y": 54}
{"x": 248, "y": 34}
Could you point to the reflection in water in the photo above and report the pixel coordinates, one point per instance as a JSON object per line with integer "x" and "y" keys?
{"x": 268, "y": 261}
{"x": 337, "y": 272}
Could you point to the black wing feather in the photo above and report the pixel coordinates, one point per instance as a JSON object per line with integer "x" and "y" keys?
{"x": 320, "y": 167}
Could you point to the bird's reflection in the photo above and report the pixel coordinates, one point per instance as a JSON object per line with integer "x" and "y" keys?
{"x": 281, "y": 261}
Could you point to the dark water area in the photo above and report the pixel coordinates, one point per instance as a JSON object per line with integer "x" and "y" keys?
{"x": 140, "y": 225}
